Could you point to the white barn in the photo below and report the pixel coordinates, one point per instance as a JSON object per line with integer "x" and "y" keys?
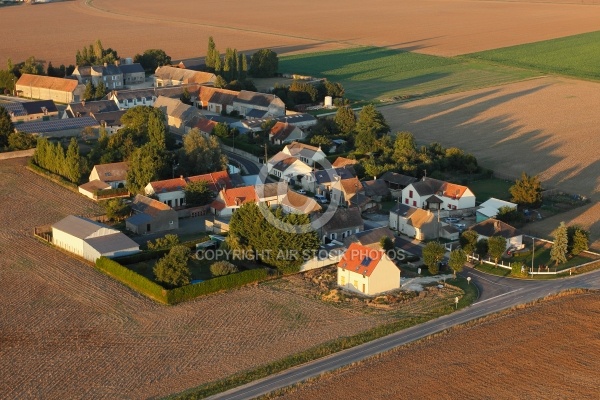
{"x": 91, "y": 240}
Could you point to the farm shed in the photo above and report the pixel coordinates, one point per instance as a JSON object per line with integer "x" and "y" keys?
{"x": 91, "y": 240}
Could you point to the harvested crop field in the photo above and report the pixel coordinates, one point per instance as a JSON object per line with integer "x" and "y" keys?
{"x": 68, "y": 331}
{"x": 181, "y": 27}
{"x": 545, "y": 351}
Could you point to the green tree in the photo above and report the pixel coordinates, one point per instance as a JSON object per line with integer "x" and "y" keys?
{"x": 320, "y": 140}
{"x": 433, "y": 253}
{"x": 152, "y": 59}
{"x": 221, "y": 268}
{"x": 89, "y": 92}
{"x": 558, "y": 252}
{"x": 172, "y": 269}
{"x": 116, "y": 209}
{"x": 263, "y": 64}
{"x": 209, "y": 60}
{"x": 157, "y": 131}
{"x": 221, "y": 130}
{"x": 243, "y": 71}
{"x": 220, "y": 82}
{"x": 508, "y": 214}
{"x": 369, "y": 127}
{"x": 6, "y": 127}
{"x": 527, "y": 191}
{"x": 197, "y": 193}
{"x": 7, "y": 82}
{"x": 166, "y": 242}
{"x": 468, "y": 241}
{"x": 73, "y": 167}
{"x": 21, "y": 141}
{"x": 334, "y": 89}
{"x": 218, "y": 63}
{"x": 146, "y": 164}
{"x": 31, "y": 66}
{"x": 345, "y": 119}
{"x": 200, "y": 155}
{"x": 457, "y": 260}
{"x": 100, "y": 91}
{"x": 580, "y": 242}
{"x": 386, "y": 243}
{"x": 185, "y": 97}
{"x": 481, "y": 247}
{"x": 139, "y": 121}
{"x": 496, "y": 247}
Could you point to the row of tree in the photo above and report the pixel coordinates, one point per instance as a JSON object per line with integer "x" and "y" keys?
{"x": 301, "y": 92}
{"x": 52, "y": 157}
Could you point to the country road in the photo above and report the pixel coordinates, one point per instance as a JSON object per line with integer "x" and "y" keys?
{"x": 496, "y": 294}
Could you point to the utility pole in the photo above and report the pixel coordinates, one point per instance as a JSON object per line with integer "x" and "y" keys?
{"x": 266, "y": 156}
{"x": 532, "y": 253}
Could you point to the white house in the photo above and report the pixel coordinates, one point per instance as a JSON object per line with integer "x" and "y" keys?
{"x": 490, "y": 208}
{"x": 434, "y": 194}
{"x": 305, "y": 153}
{"x": 367, "y": 270}
{"x": 282, "y": 132}
{"x": 230, "y": 200}
{"x": 114, "y": 174}
{"x": 286, "y": 167}
{"x": 493, "y": 227}
{"x": 271, "y": 193}
{"x": 91, "y": 240}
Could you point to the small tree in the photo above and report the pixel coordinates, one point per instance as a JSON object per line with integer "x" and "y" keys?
{"x": 457, "y": 260}
{"x": 100, "y": 91}
{"x": 172, "y": 269}
{"x": 481, "y": 247}
{"x": 221, "y": 268}
{"x": 468, "y": 241}
{"x": 558, "y": 252}
{"x": 580, "y": 242}
{"x": 433, "y": 253}
{"x": 90, "y": 91}
{"x": 6, "y": 127}
{"x": 527, "y": 191}
{"x": 116, "y": 209}
{"x": 198, "y": 193}
{"x": 386, "y": 243}
{"x": 165, "y": 242}
{"x": 496, "y": 247}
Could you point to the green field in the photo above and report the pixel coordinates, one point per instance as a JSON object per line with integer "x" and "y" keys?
{"x": 376, "y": 73}
{"x": 493, "y": 187}
{"x": 577, "y": 56}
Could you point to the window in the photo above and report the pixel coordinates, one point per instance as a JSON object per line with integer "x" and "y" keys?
{"x": 356, "y": 284}
{"x": 406, "y": 201}
{"x": 414, "y": 203}
{"x": 342, "y": 280}
{"x": 410, "y": 194}
{"x": 333, "y": 236}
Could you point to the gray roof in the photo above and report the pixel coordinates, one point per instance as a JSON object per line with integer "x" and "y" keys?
{"x": 112, "y": 243}
{"x": 400, "y": 209}
{"x": 428, "y": 186}
{"x": 256, "y": 98}
{"x": 175, "y": 108}
{"x": 84, "y": 108}
{"x": 111, "y": 118}
{"x": 139, "y": 219}
{"x": 376, "y": 187}
{"x": 398, "y": 179}
{"x": 131, "y": 68}
{"x": 37, "y": 107}
{"x": 370, "y": 237}
{"x": 271, "y": 189}
{"x": 254, "y": 113}
{"x": 15, "y": 107}
{"x": 344, "y": 218}
{"x": 57, "y": 125}
{"x": 493, "y": 227}
{"x": 111, "y": 69}
{"x": 297, "y": 118}
{"x": 329, "y": 175}
{"x": 78, "y": 226}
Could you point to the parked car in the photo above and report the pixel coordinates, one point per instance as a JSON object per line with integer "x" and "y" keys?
{"x": 460, "y": 227}
{"x": 301, "y": 191}
{"x": 321, "y": 199}
{"x": 451, "y": 220}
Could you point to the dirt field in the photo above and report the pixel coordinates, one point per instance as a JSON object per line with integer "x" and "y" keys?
{"x": 67, "y": 331}
{"x": 547, "y": 351}
{"x": 181, "y": 27}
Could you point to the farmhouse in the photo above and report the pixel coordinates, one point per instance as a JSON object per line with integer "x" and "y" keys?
{"x": 109, "y": 74}
{"x": 414, "y": 222}
{"x": 133, "y": 73}
{"x": 40, "y": 87}
{"x": 91, "y": 240}
{"x": 31, "y": 110}
{"x": 367, "y": 270}
{"x": 151, "y": 216}
{"x": 493, "y": 227}
{"x": 434, "y": 194}
{"x": 173, "y": 76}
{"x": 490, "y": 208}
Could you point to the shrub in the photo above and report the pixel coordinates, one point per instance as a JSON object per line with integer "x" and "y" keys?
{"x": 166, "y": 242}
{"x": 216, "y": 284}
{"x": 173, "y": 269}
{"x": 132, "y": 279}
{"x": 221, "y": 268}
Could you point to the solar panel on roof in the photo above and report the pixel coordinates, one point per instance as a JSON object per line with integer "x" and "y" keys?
{"x": 366, "y": 261}
{"x": 56, "y": 125}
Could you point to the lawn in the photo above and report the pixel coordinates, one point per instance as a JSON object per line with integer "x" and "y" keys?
{"x": 377, "y": 73}
{"x": 577, "y": 56}
{"x": 200, "y": 269}
{"x": 493, "y": 187}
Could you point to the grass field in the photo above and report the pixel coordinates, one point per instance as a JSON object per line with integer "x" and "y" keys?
{"x": 486, "y": 188}
{"x": 376, "y": 73}
{"x": 577, "y": 56}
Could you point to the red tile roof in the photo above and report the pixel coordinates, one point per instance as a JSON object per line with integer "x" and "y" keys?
{"x": 48, "y": 82}
{"x": 205, "y": 125}
{"x": 281, "y": 131}
{"x": 342, "y": 162}
{"x": 238, "y": 196}
{"x": 361, "y": 259}
{"x": 216, "y": 181}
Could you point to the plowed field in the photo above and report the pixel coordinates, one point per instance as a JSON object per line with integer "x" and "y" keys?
{"x": 546, "y": 351}
{"x": 181, "y": 27}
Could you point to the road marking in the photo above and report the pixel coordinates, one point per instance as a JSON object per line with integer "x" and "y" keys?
{"x": 495, "y": 297}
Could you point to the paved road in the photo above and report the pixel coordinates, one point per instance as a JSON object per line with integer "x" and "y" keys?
{"x": 251, "y": 167}
{"x": 502, "y": 293}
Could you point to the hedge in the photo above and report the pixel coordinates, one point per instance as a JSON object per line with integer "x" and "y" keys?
{"x": 53, "y": 177}
{"x": 152, "y": 254}
{"x": 132, "y": 279}
{"x": 213, "y": 285}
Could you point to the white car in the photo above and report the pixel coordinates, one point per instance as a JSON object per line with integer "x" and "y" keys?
{"x": 321, "y": 199}
{"x": 301, "y": 191}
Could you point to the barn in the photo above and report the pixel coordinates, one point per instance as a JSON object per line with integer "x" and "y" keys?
{"x": 91, "y": 240}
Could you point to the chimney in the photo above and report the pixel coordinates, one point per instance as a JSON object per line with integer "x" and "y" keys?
{"x": 497, "y": 226}
{"x": 117, "y": 63}
{"x": 180, "y": 176}
{"x": 105, "y": 65}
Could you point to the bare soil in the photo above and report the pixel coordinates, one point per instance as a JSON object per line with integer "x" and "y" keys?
{"x": 53, "y": 32}
{"x": 545, "y": 351}
{"x": 68, "y": 331}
